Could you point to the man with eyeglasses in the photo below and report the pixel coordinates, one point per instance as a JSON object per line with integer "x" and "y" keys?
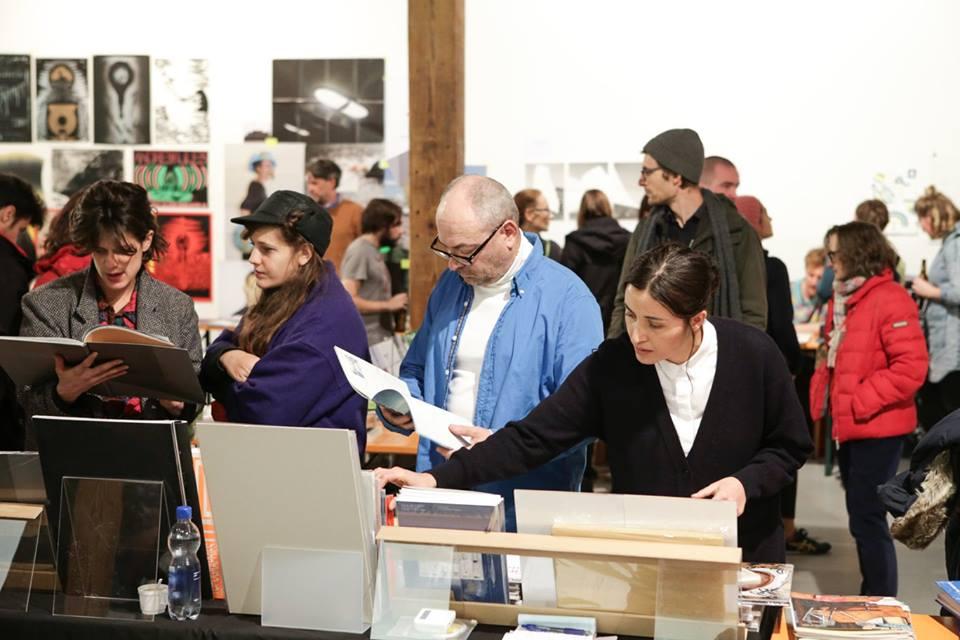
{"x": 503, "y": 328}
{"x": 688, "y": 214}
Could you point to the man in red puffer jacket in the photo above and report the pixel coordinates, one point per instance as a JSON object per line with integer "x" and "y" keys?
{"x": 876, "y": 361}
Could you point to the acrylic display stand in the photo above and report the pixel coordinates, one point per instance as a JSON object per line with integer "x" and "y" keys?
{"x": 654, "y": 589}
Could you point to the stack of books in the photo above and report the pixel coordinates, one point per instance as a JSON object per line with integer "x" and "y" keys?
{"x": 817, "y": 617}
{"x": 948, "y": 596}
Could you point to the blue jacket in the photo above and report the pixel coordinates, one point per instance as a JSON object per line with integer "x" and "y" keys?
{"x": 942, "y": 317}
{"x": 298, "y": 381}
{"x": 551, "y": 323}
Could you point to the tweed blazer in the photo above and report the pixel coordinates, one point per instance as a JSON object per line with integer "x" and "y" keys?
{"x": 67, "y": 308}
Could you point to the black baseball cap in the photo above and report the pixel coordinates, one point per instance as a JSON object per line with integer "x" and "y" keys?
{"x": 315, "y": 225}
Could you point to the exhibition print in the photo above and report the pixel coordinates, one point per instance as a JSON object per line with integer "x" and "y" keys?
{"x": 180, "y": 101}
{"x": 328, "y": 101}
{"x": 187, "y": 263}
{"x": 76, "y": 169}
{"x": 15, "y": 98}
{"x": 121, "y": 99}
{"x": 62, "y": 100}
{"x": 26, "y": 166}
{"x": 172, "y": 177}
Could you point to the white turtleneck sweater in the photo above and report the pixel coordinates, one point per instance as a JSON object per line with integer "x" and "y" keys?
{"x": 686, "y": 387}
{"x": 488, "y": 303}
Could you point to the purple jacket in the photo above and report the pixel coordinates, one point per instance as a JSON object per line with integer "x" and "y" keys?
{"x": 298, "y": 381}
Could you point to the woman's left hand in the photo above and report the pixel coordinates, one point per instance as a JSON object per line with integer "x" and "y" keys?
{"x": 473, "y": 434}
{"x": 924, "y": 289}
{"x": 728, "y": 488}
{"x": 173, "y": 407}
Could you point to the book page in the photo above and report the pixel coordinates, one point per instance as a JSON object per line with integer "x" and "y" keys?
{"x": 121, "y": 335}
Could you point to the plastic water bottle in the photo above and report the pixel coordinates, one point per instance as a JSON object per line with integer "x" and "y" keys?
{"x": 184, "y": 575}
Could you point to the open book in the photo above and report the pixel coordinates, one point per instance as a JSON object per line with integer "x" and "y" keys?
{"x": 157, "y": 368}
{"x": 384, "y": 389}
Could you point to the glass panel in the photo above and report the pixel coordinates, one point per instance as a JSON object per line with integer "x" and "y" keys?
{"x": 108, "y": 542}
{"x": 18, "y": 553}
{"x": 21, "y": 479}
{"x": 410, "y": 577}
{"x": 696, "y": 600}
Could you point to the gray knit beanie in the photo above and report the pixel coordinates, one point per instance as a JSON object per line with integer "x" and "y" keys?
{"x": 678, "y": 150}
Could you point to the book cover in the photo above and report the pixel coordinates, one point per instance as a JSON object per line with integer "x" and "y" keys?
{"x": 837, "y": 616}
{"x": 765, "y": 584}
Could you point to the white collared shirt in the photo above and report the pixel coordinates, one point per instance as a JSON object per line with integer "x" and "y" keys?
{"x": 686, "y": 387}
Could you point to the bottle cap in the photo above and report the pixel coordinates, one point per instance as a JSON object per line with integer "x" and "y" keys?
{"x": 184, "y": 512}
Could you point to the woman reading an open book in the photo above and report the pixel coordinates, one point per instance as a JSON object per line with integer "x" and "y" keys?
{"x": 688, "y": 406}
{"x": 115, "y": 223}
{"x": 279, "y": 366}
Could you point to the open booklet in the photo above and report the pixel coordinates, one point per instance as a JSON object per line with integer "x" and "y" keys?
{"x": 157, "y": 368}
{"x": 384, "y": 389}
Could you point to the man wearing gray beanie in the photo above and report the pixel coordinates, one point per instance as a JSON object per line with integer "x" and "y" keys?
{"x": 684, "y": 212}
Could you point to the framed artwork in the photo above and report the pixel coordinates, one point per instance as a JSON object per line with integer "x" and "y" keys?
{"x": 187, "y": 264}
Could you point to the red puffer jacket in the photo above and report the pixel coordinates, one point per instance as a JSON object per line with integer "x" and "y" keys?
{"x": 881, "y": 363}
{"x": 65, "y": 261}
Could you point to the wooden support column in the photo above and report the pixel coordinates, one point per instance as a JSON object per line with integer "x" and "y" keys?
{"x": 436, "y": 131}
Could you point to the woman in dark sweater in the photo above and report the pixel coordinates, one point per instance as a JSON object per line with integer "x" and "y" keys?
{"x": 279, "y": 367}
{"x": 687, "y": 406}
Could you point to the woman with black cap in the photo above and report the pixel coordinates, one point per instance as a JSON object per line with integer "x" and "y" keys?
{"x": 688, "y": 407}
{"x": 279, "y": 367}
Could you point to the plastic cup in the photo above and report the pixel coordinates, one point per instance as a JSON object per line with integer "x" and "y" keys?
{"x": 153, "y": 598}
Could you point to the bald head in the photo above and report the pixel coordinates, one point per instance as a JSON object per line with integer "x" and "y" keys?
{"x": 482, "y": 199}
{"x": 720, "y": 176}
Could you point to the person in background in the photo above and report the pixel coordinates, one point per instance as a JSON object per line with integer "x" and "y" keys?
{"x": 940, "y": 220}
{"x": 535, "y": 218}
{"x": 279, "y": 367}
{"x": 803, "y": 292}
{"x": 595, "y": 250}
{"x": 323, "y": 179}
{"x": 262, "y": 165}
{"x": 645, "y": 394}
{"x": 875, "y": 212}
{"x": 875, "y": 362}
{"x": 115, "y": 223}
{"x": 364, "y": 271}
{"x": 780, "y": 328}
{"x": 503, "y": 328}
{"x": 19, "y": 207}
{"x": 697, "y": 218}
{"x": 60, "y": 255}
{"x": 720, "y": 176}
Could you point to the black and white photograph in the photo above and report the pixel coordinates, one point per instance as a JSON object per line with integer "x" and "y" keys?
{"x": 121, "y": 99}
{"x": 63, "y": 100}
{"x": 75, "y": 169}
{"x": 328, "y": 101}
{"x": 25, "y": 165}
{"x": 15, "y": 98}
{"x": 180, "y": 107}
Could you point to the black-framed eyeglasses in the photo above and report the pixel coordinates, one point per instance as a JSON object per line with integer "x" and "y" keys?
{"x": 646, "y": 173}
{"x": 464, "y": 260}
{"x": 831, "y": 255}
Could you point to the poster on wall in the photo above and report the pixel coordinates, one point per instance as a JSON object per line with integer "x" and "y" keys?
{"x": 252, "y": 171}
{"x": 75, "y": 169}
{"x": 24, "y": 165}
{"x": 63, "y": 95}
{"x": 899, "y": 190}
{"x": 328, "y": 101}
{"x": 172, "y": 177}
{"x": 187, "y": 263}
{"x": 15, "y": 98}
{"x": 180, "y": 109}
{"x": 361, "y": 167}
{"x": 121, "y": 99}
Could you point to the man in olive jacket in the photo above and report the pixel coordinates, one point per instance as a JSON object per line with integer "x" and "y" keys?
{"x": 700, "y": 219}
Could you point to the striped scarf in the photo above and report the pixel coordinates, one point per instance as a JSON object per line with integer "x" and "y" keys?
{"x": 842, "y": 290}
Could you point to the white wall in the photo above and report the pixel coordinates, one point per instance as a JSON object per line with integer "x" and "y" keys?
{"x": 811, "y": 101}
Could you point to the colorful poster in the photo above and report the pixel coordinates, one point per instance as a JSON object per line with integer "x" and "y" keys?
{"x": 172, "y": 177}
{"x": 75, "y": 169}
{"x": 62, "y": 100}
{"x": 15, "y": 98}
{"x": 180, "y": 101}
{"x": 121, "y": 99}
{"x": 187, "y": 264}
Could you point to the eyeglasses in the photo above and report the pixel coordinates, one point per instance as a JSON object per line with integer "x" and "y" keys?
{"x": 541, "y": 210}
{"x": 832, "y": 256}
{"x": 463, "y": 260}
{"x": 646, "y": 173}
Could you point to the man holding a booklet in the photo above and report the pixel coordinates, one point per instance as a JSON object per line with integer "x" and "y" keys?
{"x": 503, "y": 328}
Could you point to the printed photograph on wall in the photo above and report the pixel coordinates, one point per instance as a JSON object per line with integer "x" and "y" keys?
{"x": 63, "y": 95}
{"x": 15, "y": 98}
{"x": 187, "y": 264}
{"x": 121, "y": 99}
{"x": 328, "y": 101}
{"x": 180, "y": 109}
{"x": 361, "y": 166}
{"x": 172, "y": 177}
{"x": 25, "y": 165}
{"x": 75, "y": 169}
{"x": 252, "y": 171}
